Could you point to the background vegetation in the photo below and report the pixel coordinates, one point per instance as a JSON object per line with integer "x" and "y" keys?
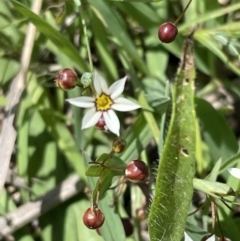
{"x": 50, "y": 146}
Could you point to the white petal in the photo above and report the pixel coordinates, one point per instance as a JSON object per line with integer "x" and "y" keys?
{"x": 100, "y": 84}
{"x": 186, "y": 237}
{"x": 212, "y": 238}
{"x": 91, "y": 118}
{"x": 117, "y": 88}
{"x": 112, "y": 121}
{"x": 234, "y": 172}
{"x": 123, "y": 104}
{"x": 84, "y": 101}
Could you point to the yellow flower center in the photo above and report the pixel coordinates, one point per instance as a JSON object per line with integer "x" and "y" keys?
{"x": 103, "y": 102}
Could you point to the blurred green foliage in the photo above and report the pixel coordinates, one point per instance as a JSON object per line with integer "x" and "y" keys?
{"x": 123, "y": 40}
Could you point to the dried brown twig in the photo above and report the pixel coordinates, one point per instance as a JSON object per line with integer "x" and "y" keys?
{"x": 32, "y": 210}
{"x": 8, "y": 134}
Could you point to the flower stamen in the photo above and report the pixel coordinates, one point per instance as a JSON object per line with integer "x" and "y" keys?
{"x": 103, "y": 102}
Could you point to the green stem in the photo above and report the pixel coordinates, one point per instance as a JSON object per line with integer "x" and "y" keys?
{"x": 107, "y": 157}
{"x": 183, "y": 12}
{"x": 112, "y": 168}
{"x": 96, "y": 195}
{"x": 85, "y": 34}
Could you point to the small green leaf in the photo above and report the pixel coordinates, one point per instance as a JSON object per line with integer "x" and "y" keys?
{"x": 195, "y": 232}
{"x": 115, "y": 165}
{"x": 215, "y": 189}
{"x": 215, "y": 171}
{"x": 103, "y": 184}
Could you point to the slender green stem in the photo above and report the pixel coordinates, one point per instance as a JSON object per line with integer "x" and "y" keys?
{"x": 183, "y": 12}
{"x": 85, "y": 34}
{"x": 95, "y": 201}
{"x": 107, "y": 157}
{"x": 93, "y": 91}
{"x": 112, "y": 168}
{"x": 107, "y": 167}
{"x": 198, "y": 209}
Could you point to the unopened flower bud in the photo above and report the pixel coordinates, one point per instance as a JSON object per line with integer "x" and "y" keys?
{"x": 136, "y": 171}
{"x": 93, "y": 218}
{"x": 66, "y": 79}
{"x": 86, "y": 79}
{"x": 119, "y": 145}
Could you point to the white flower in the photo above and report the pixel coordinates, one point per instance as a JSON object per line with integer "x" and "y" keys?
{"x": 104, "y": 103}
{"x": 234, "y": 172}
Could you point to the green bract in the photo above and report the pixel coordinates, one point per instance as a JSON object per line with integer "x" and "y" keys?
{"x": 174, "y": 186}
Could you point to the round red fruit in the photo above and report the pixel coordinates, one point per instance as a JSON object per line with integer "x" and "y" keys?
{"x": 66, "y": 79}
{"x": 136, "y": 171}
{"x": 167, "y": 32}
{"x": 93, "y": 218}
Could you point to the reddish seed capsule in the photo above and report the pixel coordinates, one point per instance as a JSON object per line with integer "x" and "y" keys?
{"x": 93, "y": 218}
{"x": 66, "y": 79}
{"x": 136, "y": 171}
{"x": 101, "y": 124}
{"x": 167, "y": 32}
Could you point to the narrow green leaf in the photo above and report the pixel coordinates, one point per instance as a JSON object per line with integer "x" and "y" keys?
{"x": 216, "y": 132}
{"x": 144, "y": 14}
{"x": 230, "y": 162}
{"x": 209, "y": 15}
{"x": 215, "y": 189}
{"x": 174, "y": 187}
{"x": 105, "y": 54}
{"x": 206, "y": 38}
{"x": 142, "y": 1}
{"x": 112, "y": 228}
{"x": 228, "y": 223}
{"x": 195, "y": 232}
{"x": 149, "y": 117}
{"x": 56, "y": 37}
{"x": 8, "y": 69}
{"x": 64, "y": 141}
{"x": 215, "y": 171}
{"x": 105, "y": 13}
